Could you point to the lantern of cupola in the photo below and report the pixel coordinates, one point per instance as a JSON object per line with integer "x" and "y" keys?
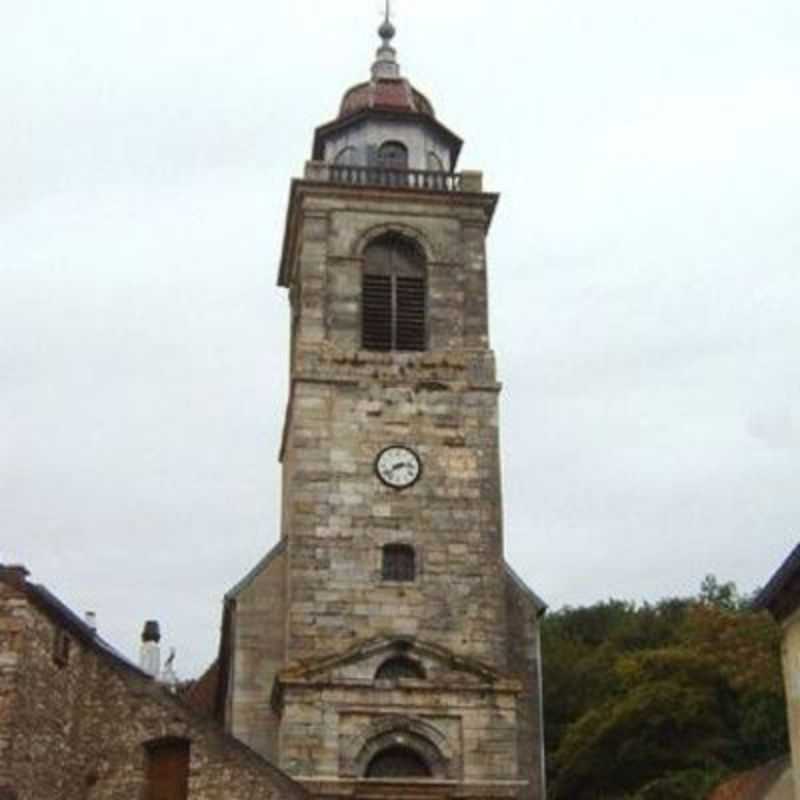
{"x": 387, "y": 123}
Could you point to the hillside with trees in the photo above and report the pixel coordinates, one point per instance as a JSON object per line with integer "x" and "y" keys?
{"x": 660, "y": 702}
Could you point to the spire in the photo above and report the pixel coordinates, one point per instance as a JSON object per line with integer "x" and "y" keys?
{"x": 386, "y": 65}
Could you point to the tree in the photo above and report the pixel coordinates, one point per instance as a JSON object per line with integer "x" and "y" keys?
{"x": 668, "y": 716}
{"x": 656, "y": 702}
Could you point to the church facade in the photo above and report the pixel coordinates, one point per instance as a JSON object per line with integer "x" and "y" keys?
{"x": 384, "y": 647}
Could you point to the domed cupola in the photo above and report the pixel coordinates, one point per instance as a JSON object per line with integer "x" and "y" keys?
{"x": 386, "y": 122}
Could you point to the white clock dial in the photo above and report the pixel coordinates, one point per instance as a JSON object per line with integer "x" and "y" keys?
{"x": 398, "y": 466}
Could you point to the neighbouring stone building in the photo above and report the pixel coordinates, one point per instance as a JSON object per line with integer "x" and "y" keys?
{"x": 384, "y": 648}
{"x": 781, "y": 597}
{"x": 80, "y": 722}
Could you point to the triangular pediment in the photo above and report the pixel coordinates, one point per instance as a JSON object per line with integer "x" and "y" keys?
{"x": 363, "y": 661}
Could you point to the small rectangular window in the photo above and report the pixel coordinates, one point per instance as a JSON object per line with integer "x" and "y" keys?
{"x": 61, "y": 647}
{"x": 399, "y": 563}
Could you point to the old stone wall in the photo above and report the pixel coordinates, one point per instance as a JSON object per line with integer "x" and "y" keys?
{"x": 326, "y": 276}
{"x": 259, "y": 653}
{"x": 524, "y": 662}
{"x": 80, "y": 728}
{"x": 325, "y": 728}
{"x": 347, "y": 404}
{"x": 12, "y": 626}
{"x": 341, "y": 516}
{"x": 790, "y": 655}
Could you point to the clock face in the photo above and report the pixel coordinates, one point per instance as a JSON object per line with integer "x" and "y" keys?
{"x": 398, "y": 466}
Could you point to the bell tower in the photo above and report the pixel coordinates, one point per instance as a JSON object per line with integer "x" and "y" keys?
{"x": 384, "y": 647}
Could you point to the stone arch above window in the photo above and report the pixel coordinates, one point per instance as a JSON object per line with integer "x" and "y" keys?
{"x": 403, "y": 742}
{"x": 400, "y": 667}
{"x": 399, "y": 563}
{"x": 394, "y": 295}
{"x": 369, "y": 235}
{"x": 398, "y": 762}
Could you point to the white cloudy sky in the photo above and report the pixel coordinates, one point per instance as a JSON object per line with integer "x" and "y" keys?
{"x": 644, "y": 267}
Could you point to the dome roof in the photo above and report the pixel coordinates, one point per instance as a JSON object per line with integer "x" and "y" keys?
{"x": 387, "y": 94}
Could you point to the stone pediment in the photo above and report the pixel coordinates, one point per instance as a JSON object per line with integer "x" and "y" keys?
{"x": 393, "y": 661}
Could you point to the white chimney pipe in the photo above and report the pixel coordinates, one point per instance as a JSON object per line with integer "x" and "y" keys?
{"x": 150, "y": 651}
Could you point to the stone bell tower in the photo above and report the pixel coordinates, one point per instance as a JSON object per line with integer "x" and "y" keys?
{"x": 384, "y": 648}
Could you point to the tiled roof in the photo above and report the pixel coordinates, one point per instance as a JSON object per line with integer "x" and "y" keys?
{"x": 274, "y": 552}
{"x": 752, "y": 785}
{"x": 47, "y": 602}
{"x": 202, "y": 694}
{"x": 775, "y": 594}
{"x": 392, "y": 94}
{"x": 539, "y": 604}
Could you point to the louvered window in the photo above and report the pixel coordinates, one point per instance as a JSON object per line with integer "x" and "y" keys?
{"x": 393, "y": 297}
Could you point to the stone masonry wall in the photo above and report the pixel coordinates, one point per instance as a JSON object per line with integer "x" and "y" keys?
{"x": 325, "y": 728}
{"x": 342, "y": 516}
{"x": 80, "y": 729}
{"x": 525, "y": 664}
{"x": 790, "y": 656}
{"x": 259, "y": 652}
{"x": 12, "y": 626}
{"x": 347, "y": 404}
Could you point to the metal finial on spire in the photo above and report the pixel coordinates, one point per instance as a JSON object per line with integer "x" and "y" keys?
{"x": 387, "y": 30}
{"x": 386, "y": 65}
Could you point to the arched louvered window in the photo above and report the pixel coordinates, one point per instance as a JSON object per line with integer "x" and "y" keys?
{"x": 398, "y": 762}
{"x": 393, "y": 295}
{"x": 399, "y": 667}
{"x": 393, "y": 155}
{"x": 399, "y": 563}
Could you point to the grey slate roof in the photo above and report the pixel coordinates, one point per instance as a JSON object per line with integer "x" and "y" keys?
{"x": 779, "y": 583}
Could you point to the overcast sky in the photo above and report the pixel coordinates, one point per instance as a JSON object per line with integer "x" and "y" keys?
{"x": 643, "y": 265}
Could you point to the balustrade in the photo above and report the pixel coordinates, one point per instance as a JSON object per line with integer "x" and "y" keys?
{"x": 395, "y": 178}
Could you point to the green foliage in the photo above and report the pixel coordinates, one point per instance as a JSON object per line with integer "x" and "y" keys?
{"x": 657, "y": 702}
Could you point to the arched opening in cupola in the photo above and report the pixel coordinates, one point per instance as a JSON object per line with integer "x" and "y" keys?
{"x": 393, "y": 155}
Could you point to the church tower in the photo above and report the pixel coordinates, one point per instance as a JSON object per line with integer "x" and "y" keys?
{"x": 384, "y": 648}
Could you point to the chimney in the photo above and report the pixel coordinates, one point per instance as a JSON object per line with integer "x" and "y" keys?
{"x": 150, "y": 652}
{"x": 90, "y": 618}
{"x": 14, "y": 574}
